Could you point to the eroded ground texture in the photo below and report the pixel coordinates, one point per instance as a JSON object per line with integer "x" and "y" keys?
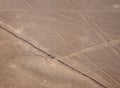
{"x": 59, "y": 43}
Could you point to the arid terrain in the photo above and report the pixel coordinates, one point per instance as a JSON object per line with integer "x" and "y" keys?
{"x": 59, "y": 43}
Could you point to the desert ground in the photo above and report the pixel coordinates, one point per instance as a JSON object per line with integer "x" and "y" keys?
{"x": 59, "y": 43}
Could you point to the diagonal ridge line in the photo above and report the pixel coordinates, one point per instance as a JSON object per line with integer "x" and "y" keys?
{"x": 83, "y": 74}
{"x": 28, "y": 42}
{"x": 53, "y": 57}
